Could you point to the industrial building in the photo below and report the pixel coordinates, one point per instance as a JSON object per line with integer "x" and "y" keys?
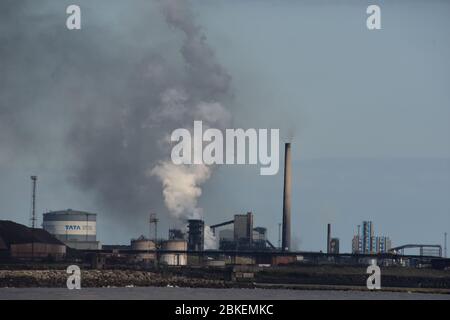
{"x": 76, "y": 229}
{"x": 20, "y": 242}
{"x": 367, "y": 237}
{"x": 356, "y": 244}
{"x": 332, "y": 243}
{"x": 226, "y": 234}
{"x": 196, "y": 235}
{"x": 383, "y": 244}
{"x": 368, "y": 243}
{"x": 243, "y": 228}
{"x": 243, "y": 236}
{"x": 259, "y": 234}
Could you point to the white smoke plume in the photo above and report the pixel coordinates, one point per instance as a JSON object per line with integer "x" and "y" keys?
{"x": 181, "y": 187}
{"x": 182, "y": 183}
{"x": 211, "y": 241}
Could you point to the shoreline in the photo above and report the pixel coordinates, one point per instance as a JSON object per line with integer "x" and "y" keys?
{"x": 145, "y": 279}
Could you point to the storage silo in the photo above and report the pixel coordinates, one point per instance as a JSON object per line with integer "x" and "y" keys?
{"x": 76, "y": 229}
{"x": 174, "y": 258}
{"x": 143, "y": 244}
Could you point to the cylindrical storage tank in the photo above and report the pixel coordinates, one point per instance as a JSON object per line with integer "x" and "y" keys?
{"x": 174, "y": 258}
{"x": 143, "y": 244}
{"x": 71, "y": 225}
{"x": 77, "y": 229}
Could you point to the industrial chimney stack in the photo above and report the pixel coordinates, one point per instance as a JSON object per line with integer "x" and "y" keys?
{"x": 328, "y": 238}
{"x": 286, "y": 236}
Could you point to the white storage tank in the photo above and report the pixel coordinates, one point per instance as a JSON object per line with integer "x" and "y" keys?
{"x": 143, "y": 244}
{"x": 76, "y": 229}
{"x": 176, "y": 258}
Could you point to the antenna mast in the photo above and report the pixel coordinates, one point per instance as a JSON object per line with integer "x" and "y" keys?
{"x": 279, "y": 235}
{"x": 33, "y": 202}
{"x": 445, "y": 244}
{"x": 33, "y": 213}
{"x": 154, "y": 220}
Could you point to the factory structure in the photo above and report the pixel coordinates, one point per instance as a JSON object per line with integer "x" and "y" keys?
{"x": 171, "y": 252}
{"x": 367, "y": 243}
{"x": 184, "y": 247}
{"x": 332, "y": 243}
{"x": 243, "y": 236}
{"x": 76, "y": 229}
{"x": 21, "y": 242}
{"x": 188, "y": 247}
{"x": 239, "y": 241}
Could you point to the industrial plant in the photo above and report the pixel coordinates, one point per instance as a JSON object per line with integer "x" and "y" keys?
{"x": 71, "y": 235}
{"x": 368, "y": 243}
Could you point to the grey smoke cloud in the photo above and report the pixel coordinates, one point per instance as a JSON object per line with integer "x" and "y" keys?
{"x": 102, "y": 100}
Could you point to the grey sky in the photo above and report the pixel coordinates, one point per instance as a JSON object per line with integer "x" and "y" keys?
{"x": 348, "y": 91}
{"x": 369, "y": 110}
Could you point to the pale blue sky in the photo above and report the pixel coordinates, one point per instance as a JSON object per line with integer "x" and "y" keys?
{"x": 368, "y": 108}
{"x": 346, "y": 91}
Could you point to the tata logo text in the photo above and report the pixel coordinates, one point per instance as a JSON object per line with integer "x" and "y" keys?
{"x": 72, "y": 227}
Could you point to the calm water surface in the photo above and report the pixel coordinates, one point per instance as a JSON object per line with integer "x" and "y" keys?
{"x": 163, "y": 293}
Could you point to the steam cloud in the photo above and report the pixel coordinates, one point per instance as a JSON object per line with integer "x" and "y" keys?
{"x": 181, "y": 185}
{"x": 207, "y": 83}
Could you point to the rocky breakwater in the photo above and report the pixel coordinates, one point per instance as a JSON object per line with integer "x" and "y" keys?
{"x": 102, "y": 278}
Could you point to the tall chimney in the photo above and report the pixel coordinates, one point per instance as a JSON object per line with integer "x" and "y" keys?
{"x": 250, "y": 227}
{"x": 286, "y": 237}
{"x": 328, "y": 238}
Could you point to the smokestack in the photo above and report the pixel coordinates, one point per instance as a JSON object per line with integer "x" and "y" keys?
{"x": 328, "y": 238}
{"x": 286, "y": 236}
{"x": 250, "y": 227}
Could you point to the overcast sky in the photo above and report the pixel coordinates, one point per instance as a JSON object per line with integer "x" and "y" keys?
{"x": 369, "y": 111}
